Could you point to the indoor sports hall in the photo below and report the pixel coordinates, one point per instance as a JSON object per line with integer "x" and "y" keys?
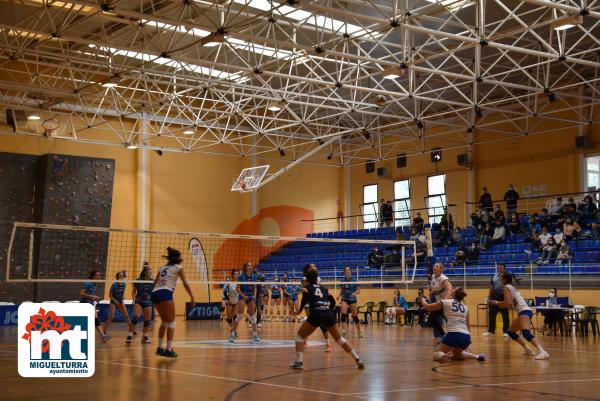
{"x": 246, "y": 200}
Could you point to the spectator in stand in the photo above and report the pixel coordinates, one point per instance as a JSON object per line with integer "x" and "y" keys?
{"x": 498, "y": 237}
{"x": 473, "y": 252}
{"x": 558, "y": 235}
{"x": 588, "y": 208}
{"x": 444, "y": 238}
{"x": 571, "y": 206}
{"x": 511, "y": 197}
{"x": 421, "y": 252}
{"x": 540, "y": 240}
{"x": 496, "y": 293}
{"x": 457, "y": 237}
{"x": 499, "y": 214}
{"x": 544, "y": 217}
{"x": 551, "y": 316}
{"x": 418, "y": 223}
{"x": 549, "y": 253}
{"x": 375, "y": 258}
{"x": 486, "y": 235}
{"x": 564, "y": 253}
{"x": 388, "y": 214}
{"x": 447, "y": 220}
{"x": 596, "y": 225}
{"x": 556, "y": 208}
{"x": 485, "y": 201}
{"x": 461, "y": 256}
{"x": 381, "y": 212}
{"x": 571, "y": 229}
{"x": 414, "y": 234}
{"x": 514, "y": 226}
{"x": 534, "y": 223}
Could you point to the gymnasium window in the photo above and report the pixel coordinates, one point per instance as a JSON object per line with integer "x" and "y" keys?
{"x": 436, "y": 201}
{"x": 402, "y": 203}
{"x": 592, "y": 178}
{"x": 370, "y": 207}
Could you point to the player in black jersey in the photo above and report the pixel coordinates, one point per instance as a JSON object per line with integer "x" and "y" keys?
{"x": 328, "y": 347}
{"x": 317, "y": 298}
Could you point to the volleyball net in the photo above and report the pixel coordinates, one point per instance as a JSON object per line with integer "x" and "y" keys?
{"x": 44, "y": 253}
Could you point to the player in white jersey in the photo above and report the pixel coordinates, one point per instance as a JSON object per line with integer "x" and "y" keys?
{"x": 455, "y": 342}
{"x": 522, "y": 322}
{"x": 162, "y": 298}
{"x": 231, "y": 294}
{"x": 439, "y": 288}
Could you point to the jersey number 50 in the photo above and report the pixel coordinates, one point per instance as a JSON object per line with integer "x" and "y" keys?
{"x": 458, "y": 307}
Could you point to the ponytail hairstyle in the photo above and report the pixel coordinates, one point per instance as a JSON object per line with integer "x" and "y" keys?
{"x": 92, "y": 274}
{"x": 306, "y": 268}
{"x": 173, "y": 256}
{"x": 459, "y": 294}
{"x": 510, "y": 278}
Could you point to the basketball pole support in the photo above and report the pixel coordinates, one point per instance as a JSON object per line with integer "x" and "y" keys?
{"x": 297, "y": 161}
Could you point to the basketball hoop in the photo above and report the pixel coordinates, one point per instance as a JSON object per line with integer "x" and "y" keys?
{"x": 249, "y": 179}
{"x": 50, "y": 126}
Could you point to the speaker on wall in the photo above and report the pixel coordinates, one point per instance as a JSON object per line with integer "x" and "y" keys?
{"x": 381, "y": 172}
{"x": 582, "y": 142}
{"x": 462, "y": 159}
{"x": 370, "y": 166}
{"x": 401, "y": 161}
{"x": 436, "y": 155}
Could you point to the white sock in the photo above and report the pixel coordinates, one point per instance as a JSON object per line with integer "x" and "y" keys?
{"x": 299, "y": 356}
{"x": 169, "y": 345}
{"x": 354, "y": 354}
{"x": 161, "y": 343}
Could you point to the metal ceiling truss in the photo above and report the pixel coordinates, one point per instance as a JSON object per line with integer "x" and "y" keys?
{"x": 301, "y": 80}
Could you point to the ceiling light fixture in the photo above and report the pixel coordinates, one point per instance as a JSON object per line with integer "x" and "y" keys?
{"x": 34, "y": 117}
{"x": 188, "y": 132}
{"x": 566, "y": 22}
{"x": 275, "y": 105}
{"x": 131, "y": 146}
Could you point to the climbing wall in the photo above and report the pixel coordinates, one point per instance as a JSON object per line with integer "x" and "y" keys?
{"x": 72, "y": 191}
{"x": 17, "y": 183}
{"x": 55, "y": 189}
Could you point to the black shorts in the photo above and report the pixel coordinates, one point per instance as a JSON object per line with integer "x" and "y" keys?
{"x": 321, "y": 318}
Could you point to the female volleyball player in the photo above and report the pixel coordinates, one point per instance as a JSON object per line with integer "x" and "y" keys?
{"x": 348, "y": 295}
{"x": 522, "y": 322}
{"x": 142, "y": 306}
{"x": 232, "y": 298}
{"x": 162, "y": 298}
{"x": 275, "y": 300}
{"x": 117, "y": 293}
{"x": 248, "y": 293}
{"x": 320, "y": 314}
{"x": 440, "y": 288}
{"x": 88, "y": 295}
{"x": 293, "y": 290}
{"x": 286, "y": 298}
{"x": 458, "y": 338}
{"x": 312, "y": 266}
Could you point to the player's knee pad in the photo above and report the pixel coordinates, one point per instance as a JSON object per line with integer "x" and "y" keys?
{"x": 97, "y": 322}
{"x": 527, "y": 335}
{"x": 344, "y": 317}
{"x": 341, "y": 341}
{"x": 134, "y": 320}
{"x": 513, "y": 335}
{"x": 252, "y": 319}
{"x": 170, "y": 325}
{"x": 239, "y": 318}
{"x": 147, "y": 323}
{"x": 355, "y": 319}
{"x": 438, "y": 356}
{"x": 300, "y": 340}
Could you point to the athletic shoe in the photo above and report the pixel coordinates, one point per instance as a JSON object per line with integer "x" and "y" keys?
{"x": 170, "y": 354}
{"x": 128, "y": 340}
{"x": 505, "y": 335}
{"x": 328, "y": 348}
{"x": 297, "y": 365}
{"x": 146, "y": 340}
{"x": 235, "y": 334}
{"x": 160, "y": 351}
{"x": 542, "y": 355}
{"x": 256, "y": 338}
{"x": 106, "y": 337}
{"x": 361, "y": 335}
{"x": 488, "y": 334}
{"x": 360, "y": 364}
{"x": 481, "y": 358}
{"x": 528, "y": 352}
{"x": 232, "y": 337}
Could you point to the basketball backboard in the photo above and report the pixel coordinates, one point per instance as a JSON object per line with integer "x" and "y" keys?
{"x": 249, "y": 179}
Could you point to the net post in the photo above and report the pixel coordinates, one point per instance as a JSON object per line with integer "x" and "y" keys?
{"x": 9, "y": 251}
{"x": 465, "y": 275}
{"x": 30, "y": 256}
{"x": 403, "y": 261}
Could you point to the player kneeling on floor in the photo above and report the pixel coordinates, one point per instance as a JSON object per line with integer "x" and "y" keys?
{"x": 458, "y": 337}
{"x": 320, "y": 315}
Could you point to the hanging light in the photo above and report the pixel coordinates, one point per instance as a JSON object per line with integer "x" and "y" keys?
{"x": 566, "y": 22}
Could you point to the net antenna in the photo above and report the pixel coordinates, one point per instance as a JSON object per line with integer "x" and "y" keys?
{"x": 249, "y": 179}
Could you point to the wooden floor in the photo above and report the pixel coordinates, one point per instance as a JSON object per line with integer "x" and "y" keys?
{"x": 398, "y": 359}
